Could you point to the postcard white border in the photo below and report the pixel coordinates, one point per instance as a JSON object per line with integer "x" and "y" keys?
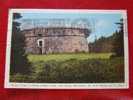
{"x": 8, "y": 84}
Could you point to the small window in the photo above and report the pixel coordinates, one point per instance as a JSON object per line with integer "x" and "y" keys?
{"x": 40, "y": 35}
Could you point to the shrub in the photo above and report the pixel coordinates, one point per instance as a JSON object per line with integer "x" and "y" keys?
{"x": 77, "y": 71}
{"x": 20, "y": 78}
{"x": 81, "y": 71}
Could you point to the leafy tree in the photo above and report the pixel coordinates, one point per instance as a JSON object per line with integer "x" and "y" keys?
{"x": 19, "y": 61}
{"x": 118, "y": 40}
{"x": 103, "y": 44}
{"x": 113, "y": 43}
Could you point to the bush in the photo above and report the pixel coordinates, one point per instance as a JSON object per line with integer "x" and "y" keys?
{"x": 77, "y": 71}
{"x": 20, "y": 78}
{"x": 81, "y": 71}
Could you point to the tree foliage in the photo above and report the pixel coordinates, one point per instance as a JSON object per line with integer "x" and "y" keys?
{"x": 102, "y": 45}
{"x": 19, "y": 61}
{"x": 119, "y": 40}
{"x": 113, "y": 43}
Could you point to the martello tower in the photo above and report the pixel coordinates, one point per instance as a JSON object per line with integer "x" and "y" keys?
{"x": 56, "y": 40}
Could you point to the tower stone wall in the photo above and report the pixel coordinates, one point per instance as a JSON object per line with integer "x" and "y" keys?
{"x": 56, "y": 40}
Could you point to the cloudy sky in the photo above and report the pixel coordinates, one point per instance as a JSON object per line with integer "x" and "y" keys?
{"x": 102, "y": 24}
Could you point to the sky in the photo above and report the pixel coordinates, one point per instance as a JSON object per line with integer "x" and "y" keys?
{"x": 101, "y": 24}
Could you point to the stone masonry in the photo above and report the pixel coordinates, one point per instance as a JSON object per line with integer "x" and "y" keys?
{"x": 56, "y": 40}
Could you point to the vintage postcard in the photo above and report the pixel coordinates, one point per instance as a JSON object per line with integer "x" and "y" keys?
{"x": 67, "y": 49}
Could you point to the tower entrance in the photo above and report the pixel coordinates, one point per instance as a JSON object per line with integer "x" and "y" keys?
{"x": 40, "y": 43}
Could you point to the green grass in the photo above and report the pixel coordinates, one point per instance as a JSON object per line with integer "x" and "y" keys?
{"x": 74, "y": 71}
{"x": 73, "y": 68}
{"x": 63, "y": 57}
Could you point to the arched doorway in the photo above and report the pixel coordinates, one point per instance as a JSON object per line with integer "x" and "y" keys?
{"x": 40, "y": 43}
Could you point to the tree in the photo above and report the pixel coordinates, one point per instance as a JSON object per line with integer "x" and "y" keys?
{"x": 102, "y": 45}
{"x": 19, "y": 61}
{"x": 118, "y": 40}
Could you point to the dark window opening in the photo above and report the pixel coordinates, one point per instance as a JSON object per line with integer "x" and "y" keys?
{"x": 40, "y": 43}
{"x": 40, "y": 35}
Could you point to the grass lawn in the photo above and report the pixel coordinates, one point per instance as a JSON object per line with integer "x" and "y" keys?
{"x": 63, "y": 57}
{"x": 73, "y": 68}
